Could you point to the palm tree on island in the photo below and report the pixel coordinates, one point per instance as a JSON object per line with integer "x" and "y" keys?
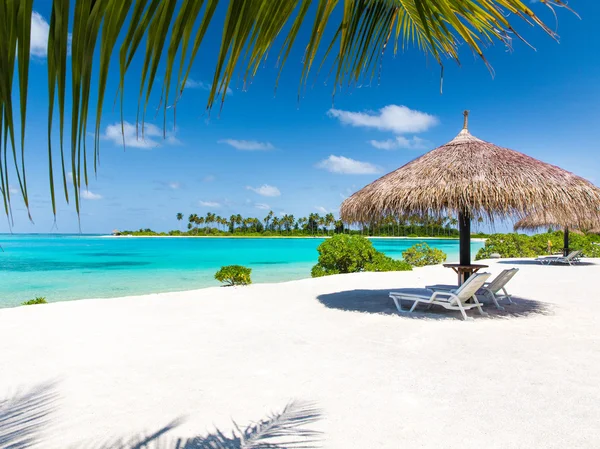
{"x": 193, "y": 221}
{"x": 329, "y": 221}
{"x": 268, "y": 219}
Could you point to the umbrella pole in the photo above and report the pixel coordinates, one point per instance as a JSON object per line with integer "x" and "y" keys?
{"x": 464, "y": 230}
{"x": 566, "y": 243}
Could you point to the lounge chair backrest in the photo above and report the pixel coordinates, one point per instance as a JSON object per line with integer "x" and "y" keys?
{"x": 502, "y": 279}
{"x": 471, "y": 285}
{"x": 572, "y": 255}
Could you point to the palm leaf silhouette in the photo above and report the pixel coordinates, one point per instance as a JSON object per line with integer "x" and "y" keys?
{"x": 283, "y": 430}
{"x": 173, "y": 34}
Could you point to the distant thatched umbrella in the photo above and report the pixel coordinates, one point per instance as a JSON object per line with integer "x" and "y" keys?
{"x": 471, "y": 178}
{"x": 573, "y": 224}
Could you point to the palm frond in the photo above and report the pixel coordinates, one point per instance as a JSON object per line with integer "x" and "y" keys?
{"x": 361, "y": 33}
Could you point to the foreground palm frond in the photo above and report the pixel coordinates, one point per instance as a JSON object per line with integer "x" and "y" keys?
{"x": 173, "y": 34}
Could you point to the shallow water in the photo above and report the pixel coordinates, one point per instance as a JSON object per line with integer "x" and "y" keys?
{"x": 66, "y": 267}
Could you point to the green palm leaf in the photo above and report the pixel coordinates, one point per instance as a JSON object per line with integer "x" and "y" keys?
{"x": 362, "y": 32}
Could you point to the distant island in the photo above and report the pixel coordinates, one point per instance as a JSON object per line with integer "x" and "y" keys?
{"x": 314, "y": 225}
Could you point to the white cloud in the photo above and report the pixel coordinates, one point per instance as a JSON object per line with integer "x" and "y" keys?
{"x": 388, "y": 144}
{"x": 153, "y": 135}
{"x": 262, "y": 206}
{"x": 13, "y": 190}
{"x": 345, "y": 165}
{"x": 39, "y": 35}
{"x": 415, "y": 143}
{"x": 172, "y": 140}
{"x": 321, "y": 209}
{"x": 174, "y": 185}
{"x": 193, "y": 84}
{"x": 265, "y": 190}
{"x": 209, "y": 204}
{"x": 398, "y": 119}
{"x": 40, "y": 29}
{"x": 248, "y": 145}
{"x": 209, "y": 178}
{"x": 85, "y": 194}
{"x": 89, "y": 195}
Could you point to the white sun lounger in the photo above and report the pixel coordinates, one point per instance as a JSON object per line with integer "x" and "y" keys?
{"x": 572, "y": 258}
{"x": 456, "y": 300}
{"x": 495, "y": 290}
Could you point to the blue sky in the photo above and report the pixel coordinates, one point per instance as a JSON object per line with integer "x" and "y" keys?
{"x": 266, "y": 151}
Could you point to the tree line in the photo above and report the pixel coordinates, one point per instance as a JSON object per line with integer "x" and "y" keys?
{"x": 312, "y": 225}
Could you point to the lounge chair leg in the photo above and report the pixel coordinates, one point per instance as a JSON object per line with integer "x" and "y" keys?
{"x": 507, "y": 296}
{"x": 462, "y": 311}
{"x": 414, "y": 306}
{"x": 498, "y": 306}
{"x": 398, "y": 303}
{"x": 479, "y": 306}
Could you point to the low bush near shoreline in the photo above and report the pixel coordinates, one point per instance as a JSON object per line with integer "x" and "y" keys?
{"x": 351, "y": 254}
{"x": 234, "y": 275}
{"x": 38, "y": 300}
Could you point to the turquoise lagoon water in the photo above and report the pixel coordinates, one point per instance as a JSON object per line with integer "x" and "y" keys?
{"x": 66, "y": 267}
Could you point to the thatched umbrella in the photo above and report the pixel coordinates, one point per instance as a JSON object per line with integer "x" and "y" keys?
{"x": 573, "y": 224}
{"x": 471, "y": 178}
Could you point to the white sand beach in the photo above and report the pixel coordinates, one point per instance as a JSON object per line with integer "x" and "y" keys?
{"x": 106, "y": 373}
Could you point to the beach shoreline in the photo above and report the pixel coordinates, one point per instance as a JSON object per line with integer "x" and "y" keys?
{"x": 474, "y": 239}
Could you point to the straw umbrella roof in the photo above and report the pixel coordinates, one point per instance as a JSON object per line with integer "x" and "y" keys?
{"x": 539, "y": 220}
{"x": 472, "y": 176}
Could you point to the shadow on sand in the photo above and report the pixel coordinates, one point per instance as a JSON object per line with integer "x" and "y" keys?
{"x": 283, "y": 430}
{"x": 25, "y": 416}
{"x": 378, "y": 301}
{"x": 157, "y": 440}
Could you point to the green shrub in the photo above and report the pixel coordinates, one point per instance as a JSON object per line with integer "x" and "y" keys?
{"x": 351, "y": 254}
{"x": 585, "y": 244}
{"x": 522, "y": 245}
{"x": 38, "y": 300}
{"x": 422, "y": 254}
{"x": 381, "y": 262}
{"x": 512, "y": 245}
{"x": 234, "y": 275}
{"x": 318, "y": 271}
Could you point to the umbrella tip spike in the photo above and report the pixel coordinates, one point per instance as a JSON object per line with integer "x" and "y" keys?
{"x": 466, "y": 120}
